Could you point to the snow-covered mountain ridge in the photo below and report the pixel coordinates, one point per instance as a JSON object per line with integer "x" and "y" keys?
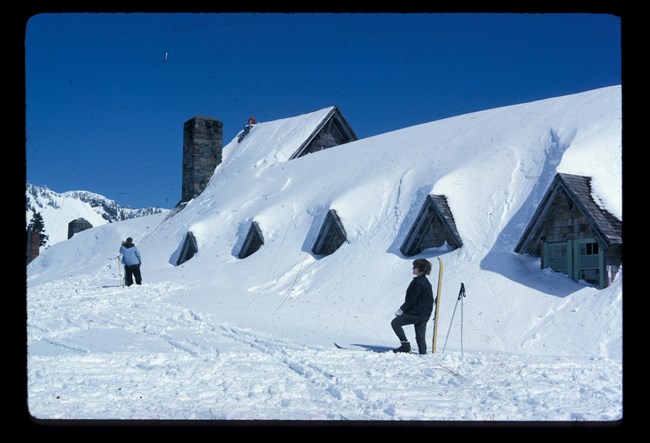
{"x": 58, "y": 209}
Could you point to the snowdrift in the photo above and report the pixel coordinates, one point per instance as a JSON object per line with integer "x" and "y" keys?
{"x": 493, "y": 166}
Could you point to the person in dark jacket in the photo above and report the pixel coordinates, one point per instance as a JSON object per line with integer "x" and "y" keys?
{"x": 132, "y": 261}
{"x": 416, "y": 309}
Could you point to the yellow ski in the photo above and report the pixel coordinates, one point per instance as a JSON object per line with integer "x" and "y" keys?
{"x": 437, "y": 301}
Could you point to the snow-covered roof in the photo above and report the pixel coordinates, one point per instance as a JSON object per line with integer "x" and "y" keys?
{"x": 494, "y": 168}
{"x": 607, "y": 228}
{"x": 276, "y": 140}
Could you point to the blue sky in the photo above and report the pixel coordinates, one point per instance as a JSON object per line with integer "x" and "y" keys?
{"x": 107, "y": 94}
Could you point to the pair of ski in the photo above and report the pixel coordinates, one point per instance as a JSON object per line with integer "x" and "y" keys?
{"x": 370, "y": 348}
{"x": 374, "y": 348}
{"x": 358, "y": 347}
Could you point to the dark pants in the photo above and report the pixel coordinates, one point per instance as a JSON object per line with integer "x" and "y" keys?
{"x": 131, "y": 271}
{"x": 420, "y": 325}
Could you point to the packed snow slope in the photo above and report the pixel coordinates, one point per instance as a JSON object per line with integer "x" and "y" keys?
{"x": 494, "y": 167}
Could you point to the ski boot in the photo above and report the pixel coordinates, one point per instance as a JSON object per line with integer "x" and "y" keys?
{"x": 405, "y": 347}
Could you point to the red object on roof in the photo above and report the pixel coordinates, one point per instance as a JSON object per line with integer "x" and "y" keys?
{"x": 252, "y": 120}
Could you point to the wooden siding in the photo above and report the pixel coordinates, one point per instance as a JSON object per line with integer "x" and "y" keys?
{"x": 567, "y": 222}
{"x": 433, "y": 227}
{"x": 331, "y": 235}
{"x": 334, "y": 130}
{"x": 188, "y": 250}
{"x": 254, "y": 241}
{"x": 568, "y": 215}
{"x": 78, "y": 225}
{"x": 567, "y": 212}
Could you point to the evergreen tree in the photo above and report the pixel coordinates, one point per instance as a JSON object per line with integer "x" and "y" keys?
{"x": 38, "y": 225}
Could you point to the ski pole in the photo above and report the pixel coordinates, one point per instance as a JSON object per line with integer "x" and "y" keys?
{"x": 461, "y": 294}
{"x": 119, "y": 270}
{"x": 462, "y": 300}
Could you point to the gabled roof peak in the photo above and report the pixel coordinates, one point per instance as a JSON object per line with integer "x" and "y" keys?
{"x": 607, "y": 228}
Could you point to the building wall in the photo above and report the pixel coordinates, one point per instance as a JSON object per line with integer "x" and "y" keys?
{"x": 567, "y": 223}
{"x": 202, "y": 150}
{"x": 436, "y": 234}
{"x": 428, "y": 231}
{"x": 613, "y": 261}
{"x": 331, "y": 135}
{"x": 78, "y": 225}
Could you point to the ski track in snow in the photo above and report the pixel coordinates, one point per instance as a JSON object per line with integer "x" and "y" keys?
{"x": 169, "y": 362}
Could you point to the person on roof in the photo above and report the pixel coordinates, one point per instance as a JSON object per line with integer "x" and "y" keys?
{"x": 247, "y": 128}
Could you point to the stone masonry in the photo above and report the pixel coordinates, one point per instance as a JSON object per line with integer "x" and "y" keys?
{"x": 202, "y": 148}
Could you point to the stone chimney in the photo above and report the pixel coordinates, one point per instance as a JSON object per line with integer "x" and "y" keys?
{"x": 202, "y": 147}
{"x": 33, "y": 244}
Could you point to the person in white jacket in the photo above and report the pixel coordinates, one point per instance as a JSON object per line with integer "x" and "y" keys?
{"x": 132, "y": 261}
